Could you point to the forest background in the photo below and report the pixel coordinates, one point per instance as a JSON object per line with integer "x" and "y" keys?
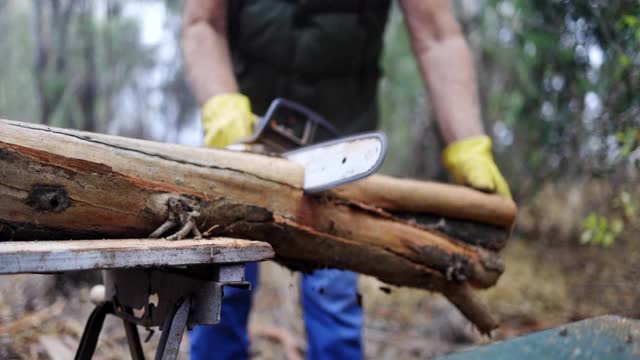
{"x": 559, "y": 82}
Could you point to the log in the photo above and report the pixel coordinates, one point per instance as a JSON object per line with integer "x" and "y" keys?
{"x": 65, "y": 184}
{"x": 447, "y": 200}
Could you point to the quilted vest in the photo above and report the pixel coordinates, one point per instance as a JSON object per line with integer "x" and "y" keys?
{"x": 321, "y": 53}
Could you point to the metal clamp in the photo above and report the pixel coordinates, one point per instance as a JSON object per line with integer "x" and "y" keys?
{"x": 173, "y": 298}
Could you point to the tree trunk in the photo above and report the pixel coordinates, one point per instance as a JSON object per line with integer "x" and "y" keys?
{"x": 40, "y": 56}
{"x": 64, "y": 184}
{"x": 88, "y": 88}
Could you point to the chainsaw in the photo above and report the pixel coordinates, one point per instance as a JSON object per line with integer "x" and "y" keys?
{"x": 303, "y": 136}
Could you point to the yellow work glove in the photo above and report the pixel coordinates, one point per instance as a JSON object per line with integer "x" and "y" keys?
{"x": 470, "y": 162}
{"x": 226, "y": 119}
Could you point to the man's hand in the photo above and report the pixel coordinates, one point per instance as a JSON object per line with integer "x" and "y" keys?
{"x": 226, "y": 119}
{"x": 470, "y": 162}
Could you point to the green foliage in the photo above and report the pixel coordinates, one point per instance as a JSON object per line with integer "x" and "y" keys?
{"x": 629, "y": 208}
{"x": 563, "y": 76}
{"x": 629, "y": 140}
{"x": 601, "y": 230}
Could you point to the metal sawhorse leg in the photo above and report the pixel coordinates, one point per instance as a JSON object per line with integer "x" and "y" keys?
{"x": 173, "y": 298}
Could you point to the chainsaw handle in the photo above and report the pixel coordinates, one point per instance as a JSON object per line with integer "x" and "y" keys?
{"x": 313, "y": 116}
{"x": 273, "y": 134}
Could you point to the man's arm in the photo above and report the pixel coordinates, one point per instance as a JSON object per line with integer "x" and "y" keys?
{"x": 226, "y": 114}
{"x": 446, "y": 65}
{"x": 205, "y": 49}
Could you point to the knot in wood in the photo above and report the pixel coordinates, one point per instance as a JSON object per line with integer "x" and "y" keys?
{"x": 47, "y": 198}
{"x": 181, "y": 209}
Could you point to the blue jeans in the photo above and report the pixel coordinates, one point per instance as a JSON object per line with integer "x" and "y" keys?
{"x": 332, "y": 316}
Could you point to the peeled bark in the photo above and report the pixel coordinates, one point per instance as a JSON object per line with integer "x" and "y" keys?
{"x": 64, "y": 184}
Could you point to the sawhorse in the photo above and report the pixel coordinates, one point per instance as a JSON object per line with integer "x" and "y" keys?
{"x": 147, "y": 282}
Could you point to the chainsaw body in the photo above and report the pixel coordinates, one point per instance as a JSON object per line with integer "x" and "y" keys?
{"x": 288, "y": 125}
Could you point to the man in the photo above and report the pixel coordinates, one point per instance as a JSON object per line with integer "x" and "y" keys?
{"x": 241, "y": 54}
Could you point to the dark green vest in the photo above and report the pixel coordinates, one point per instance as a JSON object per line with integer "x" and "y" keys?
{"x": 321, "y": 53}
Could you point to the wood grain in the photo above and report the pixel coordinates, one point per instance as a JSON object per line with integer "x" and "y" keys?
{"x": 58, "y": 256}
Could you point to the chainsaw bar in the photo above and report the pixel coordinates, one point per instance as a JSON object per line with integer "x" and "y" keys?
{"x": 338, "y": 162}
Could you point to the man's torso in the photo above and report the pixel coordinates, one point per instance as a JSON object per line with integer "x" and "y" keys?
{"x": 322, "y": 53}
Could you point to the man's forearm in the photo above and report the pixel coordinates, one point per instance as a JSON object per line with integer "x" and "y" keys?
{"x": 445, "y": 61}
{"x": 206, "y": 51}
{"x": 447, "y": 68}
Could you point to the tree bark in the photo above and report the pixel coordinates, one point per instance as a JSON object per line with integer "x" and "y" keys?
{"x": 65, "y": 184}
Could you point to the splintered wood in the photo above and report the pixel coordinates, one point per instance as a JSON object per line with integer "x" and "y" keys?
{"x": 65, "y": 184}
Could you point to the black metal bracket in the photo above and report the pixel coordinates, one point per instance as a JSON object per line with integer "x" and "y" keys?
{"x": 91, "y": 332}
{"x": 173, "y": 298}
